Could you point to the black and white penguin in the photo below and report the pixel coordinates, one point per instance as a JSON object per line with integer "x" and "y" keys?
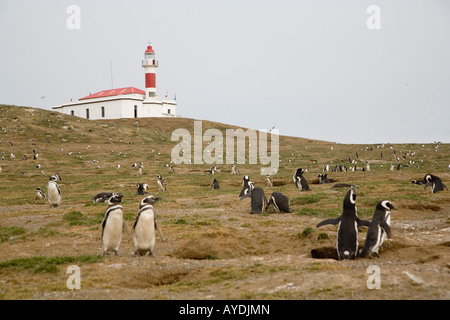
{"x": 300, "y": 181}
{"x": 40, "y": 194}
{"x": 141, "y": 189}
{"x": 112, "y": 225}
{"x": 234, "y": 169}
{"x": 418, "y": 182}
{"x": 434, "y": 182}
{"x": 213, "y": 169}
{"x": 160, "y": 182}
{"x": 247, "y": 186}
{"x": 54, "y": 193}
{"x": 258, "y": 200}
{"x": 280, "y": 202}
{"x": 215, "y": 185}
{"x": 323, "y": 178}
{"x": 378, "y": 228}
{"x": 101, "y": 197}
{"x": 144, "y": 227}
{"x": 268, "y": 181}
{"x": 348, "y": 223}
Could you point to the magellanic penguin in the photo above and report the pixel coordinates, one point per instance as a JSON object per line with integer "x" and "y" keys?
{"x": 280, "y": 202}
{"x": 247, "y": 186}
{"x": 144, "y": 227}
{"x": 40, "y": 194}
{"x": 323, "y": 178}
{"x": 54, "y": 193}
{"x": 258, "y": 200}
{"x": 160, "y": 182}
{"x": 113, "y": 224}
{"x": 268, "y": 181}
{"x": 101, "y": 197}
{"x": 215, "y": 185}
{"x": 434, "y": 182}
{"x": 234, "y": 169}
{"x": 300, "y": 181}
{"x": 141, "y": 190}
{"x": 348, "y": 223}
{"x": 378, "y": 228}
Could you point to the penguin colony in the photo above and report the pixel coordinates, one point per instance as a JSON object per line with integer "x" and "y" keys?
{"x": 145, "y": 225}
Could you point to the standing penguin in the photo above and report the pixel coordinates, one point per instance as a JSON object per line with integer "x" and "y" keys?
{"x": 54, "y": 193}
{"x": 247, "y": 186}
{"x": 300, "y": 181}
{"x": 39, "y": 194}
{"x": 141, "y": 190}
{"x": 378, "y": 228}
{"x": 112, "y": 225}
{"x": 268, "y": 181}
{"x": 434, "y": 182}
{"x": 144, "y": 227}
{"x": 280, "y": 202}
{"x": 258, "y": 200}
{"x": 160, "y": 182}
{"x": 215, "y": 185}
{"x": 348, "y": 223}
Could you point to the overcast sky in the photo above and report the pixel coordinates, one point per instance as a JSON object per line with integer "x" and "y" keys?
{"x": 313, "y": 69}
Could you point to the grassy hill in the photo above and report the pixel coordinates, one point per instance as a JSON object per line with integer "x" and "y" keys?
{"x": 214, "y": 245}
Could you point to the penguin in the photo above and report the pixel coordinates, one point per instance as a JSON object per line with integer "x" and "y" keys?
{"x": 434, "y": 182}
{"x": 323, "y": 178}
{"x": 141, "y": 190}
{"x": 112, "y": 225}
{"x": 160, "y": 182}
{"x": 54, "y": 193}
{"x": 258, "y": 200}
{"x": 280, "y": 202}
{"x": 234, "y": 169}
{"x": 144, "y": 227}
{"x": 215, "y": 185}
{"x": 40, "y": 194}
{"x": 101, "y": 197}
{"x": 348, "y": 223}
{"x": 247, "y": 186}
{"x": 58, "y": 177}
{"x": 212, "y": 170}
{"x": 418, "y": 182}
{"x": 378, "y": 229}
{"x": 268, "y": 181}
{"x": 300, "y": 181}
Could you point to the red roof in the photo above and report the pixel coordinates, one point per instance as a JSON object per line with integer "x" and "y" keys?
{"x": 114, "y": 92}
{"x": 149, "y": 49}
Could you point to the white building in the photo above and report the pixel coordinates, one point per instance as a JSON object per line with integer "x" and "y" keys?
{"x": 126, "y": 102}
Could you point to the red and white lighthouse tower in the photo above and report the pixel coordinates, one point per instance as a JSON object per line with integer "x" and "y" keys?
{"x": 150, "y": 64}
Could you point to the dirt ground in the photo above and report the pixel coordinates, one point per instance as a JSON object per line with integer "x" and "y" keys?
{"x": 247, "y": 257}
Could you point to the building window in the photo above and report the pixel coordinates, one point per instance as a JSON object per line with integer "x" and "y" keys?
{"x": 168, "y": 111}
{"x": 103, "y": 112}
{"x": 72, "y": 113}
{"x": 87, "y": 113}
{"x": 135, "y": 111}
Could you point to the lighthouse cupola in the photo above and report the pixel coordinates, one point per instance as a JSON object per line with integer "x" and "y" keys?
{"x": 150, "y": 64}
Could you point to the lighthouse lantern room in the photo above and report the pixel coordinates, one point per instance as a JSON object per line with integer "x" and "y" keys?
{"x": 128, "y": 102}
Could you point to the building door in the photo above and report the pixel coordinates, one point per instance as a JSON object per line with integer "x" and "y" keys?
{"x": 135, "y": 111}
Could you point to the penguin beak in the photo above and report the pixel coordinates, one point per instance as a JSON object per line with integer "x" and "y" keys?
{"x": 392, "y": 207}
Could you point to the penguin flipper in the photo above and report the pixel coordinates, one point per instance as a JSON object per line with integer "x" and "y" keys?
{"x": 329, "y": 221}
{"x": 386, "y": 228}
{"x": 363, "y": 223}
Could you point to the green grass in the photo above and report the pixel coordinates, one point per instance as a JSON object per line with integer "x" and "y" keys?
{"x": 47, "y": 264}
{"x": 8, "y": 232}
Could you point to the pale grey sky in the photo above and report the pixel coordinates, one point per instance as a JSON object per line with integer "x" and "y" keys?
{"x": 311, "y": 68}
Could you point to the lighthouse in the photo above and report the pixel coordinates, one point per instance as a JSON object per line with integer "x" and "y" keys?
{"x": 150, "y": 64}
{"x": 127, "y": 102}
